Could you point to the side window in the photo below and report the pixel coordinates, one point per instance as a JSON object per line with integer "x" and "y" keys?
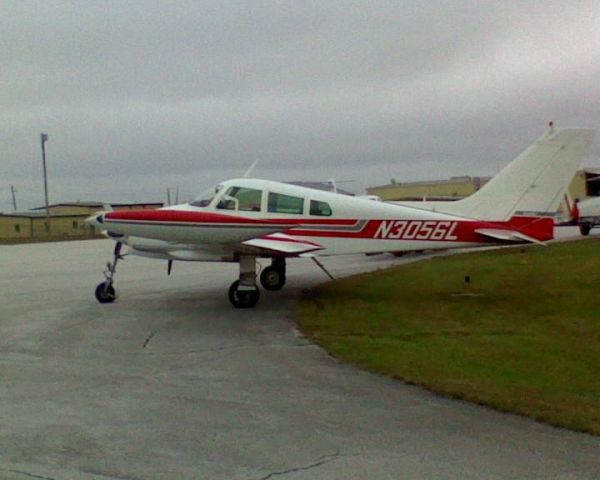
{"x": 320, "y": 208}
{"x": 279, "y": 203}
{"x": 241, "y": 198}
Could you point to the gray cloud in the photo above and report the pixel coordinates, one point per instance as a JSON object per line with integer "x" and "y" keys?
{"x": 138, "y": 96}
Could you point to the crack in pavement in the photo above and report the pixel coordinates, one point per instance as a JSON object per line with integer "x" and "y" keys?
{"x": 148, "y": 338}
{"x": 27, "y": 474}
{"x": 320, "y": 461}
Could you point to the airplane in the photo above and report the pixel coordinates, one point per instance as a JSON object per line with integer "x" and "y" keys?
{"x": 243, "y": 219}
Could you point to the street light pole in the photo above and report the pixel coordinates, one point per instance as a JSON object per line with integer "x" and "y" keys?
{"x": 44, "y": 139}
{"x": 14, "y": 198}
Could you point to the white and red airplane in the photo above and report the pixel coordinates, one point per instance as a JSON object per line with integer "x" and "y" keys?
{"x": 244, "y": 218}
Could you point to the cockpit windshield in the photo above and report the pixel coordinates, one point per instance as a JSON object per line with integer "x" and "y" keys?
{"x": 206, "y": 197}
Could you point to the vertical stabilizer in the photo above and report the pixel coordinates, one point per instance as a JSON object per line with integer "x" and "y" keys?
{"x": 534, "y": 182}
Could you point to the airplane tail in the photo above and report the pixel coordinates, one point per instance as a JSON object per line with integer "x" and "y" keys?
{"x": 534, "y": 182}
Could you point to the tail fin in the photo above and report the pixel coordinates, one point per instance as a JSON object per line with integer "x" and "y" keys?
{"x": 534, "y": 182}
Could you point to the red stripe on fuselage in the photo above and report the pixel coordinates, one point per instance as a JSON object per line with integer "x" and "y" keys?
{"x": 439, "y": 230}
{"x": 424, "y": 230}
{"x": 186, "y": 216}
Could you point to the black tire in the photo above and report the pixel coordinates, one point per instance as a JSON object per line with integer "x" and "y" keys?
{"x": 272, "y": 278}
{"x": 585, "y": 228}
{"x": 243, "y": 298}
{"x": 105, "y": 294}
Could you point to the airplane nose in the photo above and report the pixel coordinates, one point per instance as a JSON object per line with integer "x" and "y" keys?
{"x": 95, "y": 220}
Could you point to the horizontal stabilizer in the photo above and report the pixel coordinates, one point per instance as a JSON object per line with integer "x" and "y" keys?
{"x": 507, "y": 235}
{"x": 281, "y": 243}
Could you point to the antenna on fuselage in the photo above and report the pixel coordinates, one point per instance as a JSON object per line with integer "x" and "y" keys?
{"x": 250, "y": 170}
{"x": 333, "y": 185}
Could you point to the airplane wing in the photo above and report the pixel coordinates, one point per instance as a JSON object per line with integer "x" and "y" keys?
{"x": 507, "y": 235}
{"x": 282, "y": 243}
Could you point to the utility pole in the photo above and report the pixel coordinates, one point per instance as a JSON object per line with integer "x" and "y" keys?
{"x": 44, "y": 139}
{"x": 14, "y": 199}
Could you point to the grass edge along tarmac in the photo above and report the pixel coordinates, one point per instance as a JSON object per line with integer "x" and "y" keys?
{"x": 525, "y": 338}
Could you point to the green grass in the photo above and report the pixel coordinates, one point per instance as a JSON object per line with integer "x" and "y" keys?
{"x": 528, "y": 342}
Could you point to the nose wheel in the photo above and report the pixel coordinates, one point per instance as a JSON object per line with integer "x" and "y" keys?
{"x": 105, "y": 291}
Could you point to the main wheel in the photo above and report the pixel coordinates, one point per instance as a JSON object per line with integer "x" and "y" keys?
{"x": 585, "y": 228}
{"x": 243, "y": 298}
{"x": 272, "y": 278}
{"x": 105, "y": 293}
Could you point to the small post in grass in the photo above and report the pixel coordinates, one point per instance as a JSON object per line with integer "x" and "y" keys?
{"x": 523, "y": 252}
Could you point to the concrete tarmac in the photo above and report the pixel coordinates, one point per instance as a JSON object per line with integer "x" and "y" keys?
{"x": 171, "y": 382}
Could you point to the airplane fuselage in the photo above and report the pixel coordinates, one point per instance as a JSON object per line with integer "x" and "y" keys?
{"x": 343, "y": 225}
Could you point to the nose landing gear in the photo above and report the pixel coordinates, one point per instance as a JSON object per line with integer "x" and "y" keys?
{"x": 105, "y": 291}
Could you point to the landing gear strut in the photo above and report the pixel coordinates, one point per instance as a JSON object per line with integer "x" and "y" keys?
{"x": 244, "y": 293}
{"x": 105, "y": 291}
{"x": 273, "y": 277}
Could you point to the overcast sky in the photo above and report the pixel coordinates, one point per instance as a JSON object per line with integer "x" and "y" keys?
{"x": 140, "y": 96}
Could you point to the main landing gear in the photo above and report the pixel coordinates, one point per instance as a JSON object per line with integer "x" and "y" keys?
{"x": 105, "y": 291}
{"x": 244, "y": 292}
{"x": 273, "y": 277}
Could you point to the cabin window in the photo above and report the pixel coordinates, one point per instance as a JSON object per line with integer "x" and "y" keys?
{"x": 320, "y": 208}
{"x": 279, "y": 203}
{"x": 241, "y": 198}
{"x": 17, "y": 228}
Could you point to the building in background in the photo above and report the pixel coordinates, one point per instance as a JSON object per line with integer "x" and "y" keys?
{"x": 454, "y": 188}
{"x": 67, "y": 221}
{"x": 585, "y": 184}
